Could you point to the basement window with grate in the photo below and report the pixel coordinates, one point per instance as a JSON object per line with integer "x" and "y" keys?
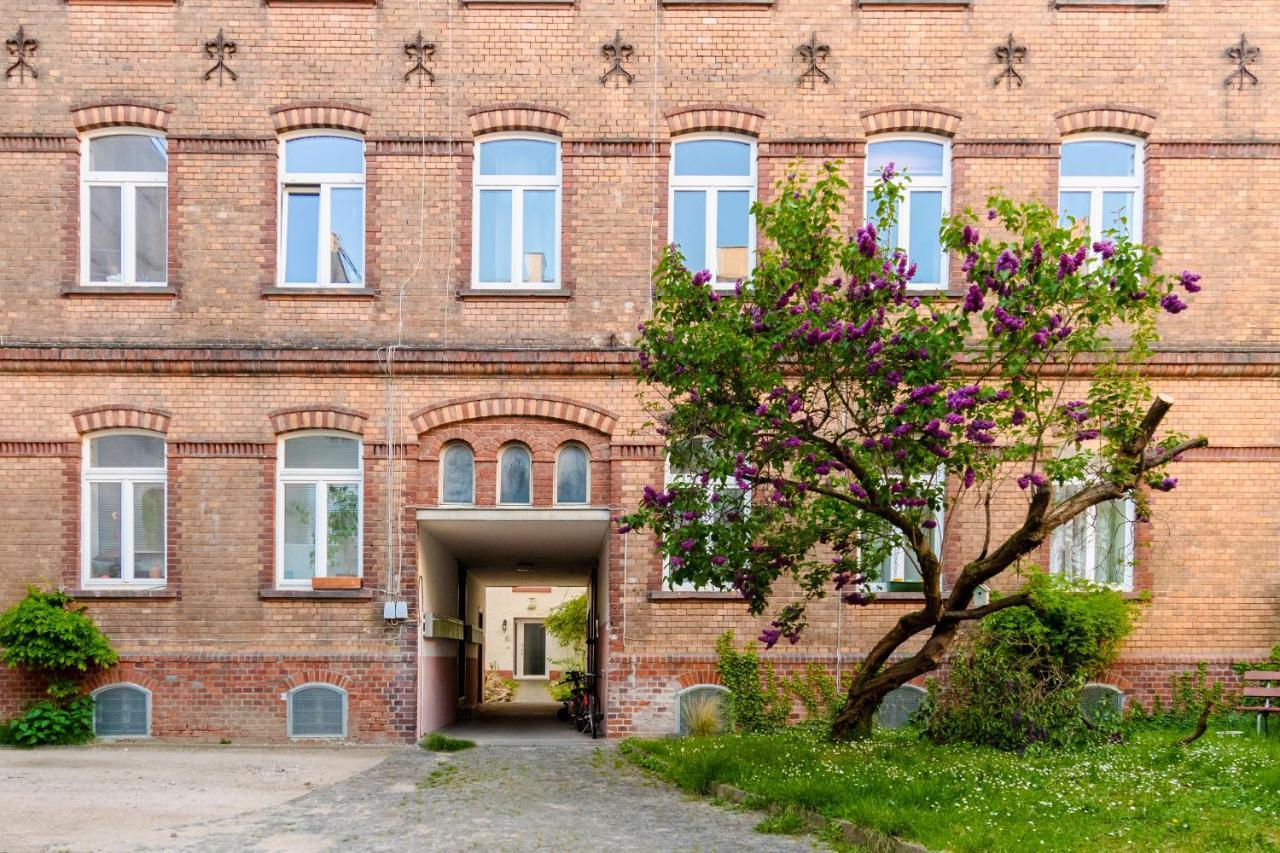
{"x": 122, "y": 710}
{"x": 317, "y": 710}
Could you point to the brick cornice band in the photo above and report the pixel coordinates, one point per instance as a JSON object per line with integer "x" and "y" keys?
{"x": 911, "y": 118}
{"x": 514, "y": 405}
{"x": 499, "y": 117}
{"x": 314, "y": 114}
{"x": 120, "y": 114}
{"x": 318, "y": 417}
{"x": 116, "y": 416}
{"x": 1106, "y": 117}
{"x": 715, "y": 117}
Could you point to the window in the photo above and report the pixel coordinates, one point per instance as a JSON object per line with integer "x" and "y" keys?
{"x": 319, "y": 508}
{"x": 702, "y": 706}
{"x": 317, "y": 710}
{"x": 515, "y": 475}
{"x": 1096, "y": 545}
{"x": 713, "y": 183}
{"x": 122, "y": 710}
{"x": 124, "y": 204}
{"x": 458, "y": 475}
{"x": 1100, "y": 184}
{"x": 899, "y": 706}
{"x": 123, "y": 516}
{"x": 926, "y": 199}
{"x": 572, "y": 475}
{"x": 900, "y": 564}
{"x": 685, "y": 467}
{"x": 1101, "y": 703}
{"x": 517, "y": 212}
{"x": 322, "y": 211}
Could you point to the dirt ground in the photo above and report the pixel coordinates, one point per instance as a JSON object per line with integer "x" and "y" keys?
{"x": 125, "y": 797}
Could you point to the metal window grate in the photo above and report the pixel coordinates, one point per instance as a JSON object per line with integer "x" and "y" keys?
{"x": 698, "y": 700}
{"x": 317, "y": 711}
{"x": 899, "y": 706}
{"x": 1099, "y": 702}
{"x": 121, "y": 712}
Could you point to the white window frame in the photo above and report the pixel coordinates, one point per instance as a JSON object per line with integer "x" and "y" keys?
{"x": 577, "y": 445}
{"x": 898, "y": 556}
{"x": 669, "y": 479}
{"x": 497, "y": 495}
{"x": 444, "y": 453}
{"x": 918, "y": 183}
{"x": 322, "y": 478}
{"x": 288, "y": 702}
{"x": 127, "y": 478}
{"x": 1097, "y": 186}
{"x": 711, "y": 185}
{"x": 129, "y": 183}
{"x": 323, "y": 183}
{"x": 517, "y": 185}
{"x": 121, "y": 685}
{"x": 1090, "y": 545}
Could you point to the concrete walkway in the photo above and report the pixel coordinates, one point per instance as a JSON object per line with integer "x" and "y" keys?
{"x": 493, "y": 798}
{"x": 517, "y": 724}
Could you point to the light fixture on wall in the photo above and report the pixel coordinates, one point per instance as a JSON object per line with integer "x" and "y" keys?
{"x": 533, "y": 604}
{"x": 504, "y": 626}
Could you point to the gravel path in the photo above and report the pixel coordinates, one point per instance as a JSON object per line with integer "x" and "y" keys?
{"x": 492, "y": 798}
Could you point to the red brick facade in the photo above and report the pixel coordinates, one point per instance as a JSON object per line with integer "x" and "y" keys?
{"x": 222, "y": 362}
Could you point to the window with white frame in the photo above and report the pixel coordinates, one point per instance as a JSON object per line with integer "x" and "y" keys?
{"x": 1100, "y": 184}
{"x": 713, "y": 184}
{"x": 457, "y": 474}
{"x": 317, "y": 710}
{"x": 900, "y": 565}
{"x": 319, "y": 508}
{"x": 322, "y": 210}
{"x": 572, "y": 475}
{"x": 517, "y": 211}
{"x": 926, "y": 199}
{"x": 123, "y": 516}
{"x": 515, "y": 475}
{"x": 121, "y": 710}
{"x": 685, "y": 466}
{"x": 1096, "y": 545}
{"x": 124, "y": 204}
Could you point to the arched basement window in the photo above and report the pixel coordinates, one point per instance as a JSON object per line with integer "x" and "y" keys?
{"x": 515, "y": 475}
{"x": 317, "y": 710}
{"x": 572, "y": 475}
{"x": 122, "y": 710}
{"x": 702, "y": 702}
{"x": 458, "y": 475}
{"x": 1100, "y": 702}
{"x": 897, "y": 708}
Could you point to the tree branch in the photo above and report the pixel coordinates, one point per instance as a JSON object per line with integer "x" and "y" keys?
{"x": 987, "y": 609}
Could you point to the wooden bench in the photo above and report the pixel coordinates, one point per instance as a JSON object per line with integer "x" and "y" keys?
{"x": 1264, "y": 686}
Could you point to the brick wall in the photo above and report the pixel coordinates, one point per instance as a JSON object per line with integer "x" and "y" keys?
{"x": 224, "y": 350}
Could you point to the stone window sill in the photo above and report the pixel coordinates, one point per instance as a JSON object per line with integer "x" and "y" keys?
{"x": 541, "y": 4}
{"x": 319, "y": 293}
{"x": 120, "y": 291}
{"x": 270, "y": 593}
{"x": 321, "y": 4}
{"x": 1110, "y": 5}
{"x": 160, "y": 593}
{"x": 121, "y": 2}
{"x": 717, "y": 4}
{"x": 514, "y": 293}
{"x": 693, "y": 595}
{"x": 915, "y": 5}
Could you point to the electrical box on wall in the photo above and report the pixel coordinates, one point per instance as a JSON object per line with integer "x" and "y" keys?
{"x": 395, "y": 611}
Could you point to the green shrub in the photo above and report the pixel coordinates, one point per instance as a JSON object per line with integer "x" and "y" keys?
{"x": 51, "y": 723}
{"x": 47, "y": 634}
{"x": 441, "y": 742}
{"x": 1190, "y": 693}
{"x": 756, "y": 703}
{"x": 1016, "y": 681}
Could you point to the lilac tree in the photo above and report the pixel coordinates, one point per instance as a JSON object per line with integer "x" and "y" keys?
{"x": 824, "y": 414}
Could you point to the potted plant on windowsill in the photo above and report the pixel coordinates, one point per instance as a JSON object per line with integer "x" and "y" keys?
{"x": 906, "y": 586}
{"x": 337, "y": 582}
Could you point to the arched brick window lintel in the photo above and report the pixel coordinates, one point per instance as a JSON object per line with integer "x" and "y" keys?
{"x": 723, "y": 118}
{"x": 1107, "y": 118}
{"x": 320, "y": 114}
{"x": 911, "y": 118}
{"x": 505, "y": 117}
{"x": 120, "y": 113}
{"x": 318, "y": 417}
{"x": 514, "y": 405}
{"x": 120, "y": 416}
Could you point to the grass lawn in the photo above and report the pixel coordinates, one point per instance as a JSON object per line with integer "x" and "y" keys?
{"x": 1221, "y": 793}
